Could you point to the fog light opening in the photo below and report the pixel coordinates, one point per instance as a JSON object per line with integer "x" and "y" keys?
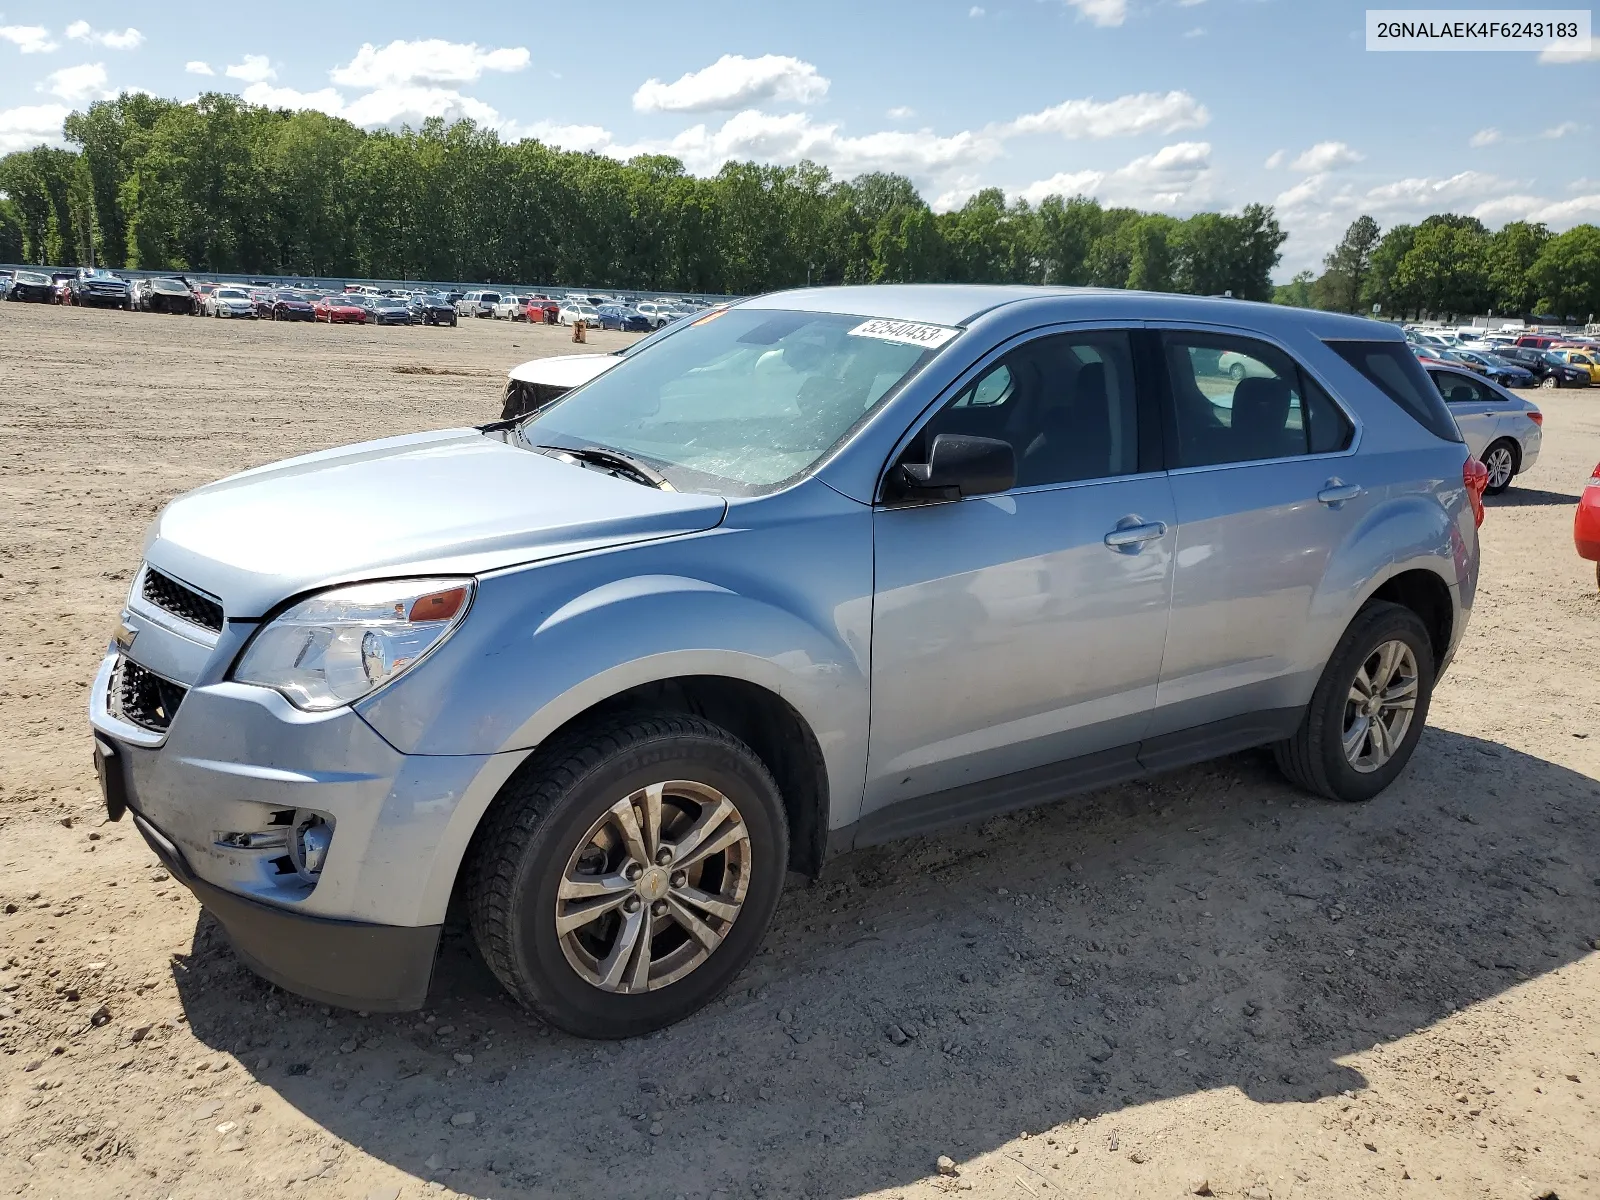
{"x": 309, "y": 840}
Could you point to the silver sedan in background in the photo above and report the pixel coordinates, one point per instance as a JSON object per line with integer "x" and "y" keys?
{"x": 1503, "y": 430}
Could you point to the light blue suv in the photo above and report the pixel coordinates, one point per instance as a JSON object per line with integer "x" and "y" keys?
{"x": 813, "y": 571}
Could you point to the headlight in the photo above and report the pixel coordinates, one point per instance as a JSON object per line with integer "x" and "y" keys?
{"x": 341, "y": 645}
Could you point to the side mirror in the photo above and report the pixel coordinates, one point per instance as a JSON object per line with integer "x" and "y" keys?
{"x": 961, "y": 465}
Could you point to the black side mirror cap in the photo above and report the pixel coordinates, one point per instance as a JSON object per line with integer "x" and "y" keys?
{"x": 961, "y": 465}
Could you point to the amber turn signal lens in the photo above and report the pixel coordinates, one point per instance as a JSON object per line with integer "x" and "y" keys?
{"x": 441, "y": 606}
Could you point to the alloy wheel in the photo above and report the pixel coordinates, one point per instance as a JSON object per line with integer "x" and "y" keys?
{"x": 653, "y": 887}
{"x": 1379, "y": 706}
{"x": 1500, "y": 464}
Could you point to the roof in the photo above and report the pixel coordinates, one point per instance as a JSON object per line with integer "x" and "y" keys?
{"x": 962, "y": 303}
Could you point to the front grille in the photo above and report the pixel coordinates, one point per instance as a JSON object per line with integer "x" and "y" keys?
{"x": 142, "y": 697}
{"x": 181, "y": 600}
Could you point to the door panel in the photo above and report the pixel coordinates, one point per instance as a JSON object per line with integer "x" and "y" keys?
{"x": 1260, "y": 517}
{"x": 1007, "y": 634}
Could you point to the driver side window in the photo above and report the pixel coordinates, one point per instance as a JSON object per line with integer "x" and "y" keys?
{"x": 1066, "y": 404}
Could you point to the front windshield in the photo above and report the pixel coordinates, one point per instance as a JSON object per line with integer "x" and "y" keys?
{"x": 32, "y": 277}
{"x": 231, "y": 294}
{"x": 742, "y": 399}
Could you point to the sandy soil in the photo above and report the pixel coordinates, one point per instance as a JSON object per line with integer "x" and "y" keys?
{"x": 1208, "y": 982}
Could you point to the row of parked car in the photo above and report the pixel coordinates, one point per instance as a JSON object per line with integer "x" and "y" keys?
{"x": 596, "y": 312}
{"x": 358, "y": 304}
{"x": 1521, "y": 360}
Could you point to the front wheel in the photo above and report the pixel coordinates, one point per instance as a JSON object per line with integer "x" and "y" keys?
{"x": 1236, "y": 372}
{"x": 1549, "y": 381}
{"x": 1501, "y": 461}
{"x": 628, "y": 873}
{"x": 1368, "y": 709}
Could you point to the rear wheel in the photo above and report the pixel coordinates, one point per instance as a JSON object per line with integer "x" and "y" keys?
{"x": 1368, "y": 709}
{"x": 628, "y": 873}
{"x": 1501, "y": 460}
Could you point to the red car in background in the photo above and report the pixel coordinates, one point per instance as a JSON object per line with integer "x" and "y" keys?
{"x": 337, "y": 310}
{"x": 541, "y": 310}
{"x": 1586, "y": 523}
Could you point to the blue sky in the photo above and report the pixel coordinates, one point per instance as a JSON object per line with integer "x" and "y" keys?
{"x": 1176, "y": 105}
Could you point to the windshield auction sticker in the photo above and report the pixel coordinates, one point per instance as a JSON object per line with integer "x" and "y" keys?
{"x": 911, "y": 333}
{"x": 1559, "y": 34}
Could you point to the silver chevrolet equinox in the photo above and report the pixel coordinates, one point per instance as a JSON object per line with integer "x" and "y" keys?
{"x": 813, "y": 571}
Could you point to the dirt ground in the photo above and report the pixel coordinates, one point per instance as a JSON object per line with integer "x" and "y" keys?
{"x": 1204, "y": 983}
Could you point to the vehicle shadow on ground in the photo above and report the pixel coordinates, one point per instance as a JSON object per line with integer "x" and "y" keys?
{"x": 1521, "y": 497}
{"x": 1209, "y": 928}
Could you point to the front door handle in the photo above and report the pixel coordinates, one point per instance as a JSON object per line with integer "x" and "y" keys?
{"x": 1131, "y": 534}
{"x": 1336, "y": 491}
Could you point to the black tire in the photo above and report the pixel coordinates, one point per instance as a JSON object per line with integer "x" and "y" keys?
{"x": 1508, "y": 444}
{"x": 1549, "y": 381}
{"x": 1236, "y": 372}
{"x": 1313, "y": 758}
{"x": 522, "y": 848}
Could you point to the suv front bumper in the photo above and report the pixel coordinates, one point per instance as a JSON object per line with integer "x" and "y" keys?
{"x": 353, "y": 964}
{"x": 239, "y": 759}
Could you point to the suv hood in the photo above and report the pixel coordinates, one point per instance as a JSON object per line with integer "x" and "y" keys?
{"x": 454, "y": 501}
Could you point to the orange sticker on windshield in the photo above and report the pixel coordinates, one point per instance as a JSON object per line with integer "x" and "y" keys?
{"x": 711, "y": 316}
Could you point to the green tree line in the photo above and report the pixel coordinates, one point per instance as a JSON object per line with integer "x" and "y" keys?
{"x": 1453, "y": 266}
{"x": 218, "y": 185}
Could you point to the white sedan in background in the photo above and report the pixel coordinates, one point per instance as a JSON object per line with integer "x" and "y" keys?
{"x": 1502, "y": 430}
{"x": 571, "y": 314}
{"x": 230, "y": 302}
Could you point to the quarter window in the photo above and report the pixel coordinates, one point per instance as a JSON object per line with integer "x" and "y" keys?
{"x": 1066, "y": 403}
{"x": 1239, "y": 400}
{"x": 1457, "y": 388}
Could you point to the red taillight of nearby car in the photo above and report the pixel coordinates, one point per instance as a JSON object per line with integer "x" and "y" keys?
{"x": 1476, "y": 476}
{"x": 1537, "y": 418}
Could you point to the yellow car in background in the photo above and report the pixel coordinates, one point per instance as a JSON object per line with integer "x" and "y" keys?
{"x": 1587, "y": 359}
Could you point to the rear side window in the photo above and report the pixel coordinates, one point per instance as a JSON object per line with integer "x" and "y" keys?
{"x": 1393, "y": 370}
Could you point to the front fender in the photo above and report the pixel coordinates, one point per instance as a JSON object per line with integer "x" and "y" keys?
{"x": 784, "y": 605}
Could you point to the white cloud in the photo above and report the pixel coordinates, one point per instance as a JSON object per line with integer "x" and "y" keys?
{"x": 568, "y": 137}
{"x": 975, "y": 11}
{"x": 327, "y": 100}
{"x": 902, "y": 113}
{"x": 1556, "y": 213}
{"x": 76, "y": 84}
{"x": 25, "y": 127}
{"x": 1101, "y": 12}
{"x": 1326, "y": 156}
{"x": 196, "y": 67}
{"x": 128, "y": 39}
{"x": 1427, "y": 195}
{"x": 1274, "y": 160}
{"x": 30, "y": 39}
{"x": 766, "y": 137}
{"x": 390, "y": 106}
{"x": 402, "y": 64}
{"x": 1142, "y": 112}
{"x": 254, "y": 69}
{"x": 1176, "y": 176}
{"x": 734, "y": 81}
{"x": 1572, "y": 56}
{"x": 1561, "y": 130}
{"x": 1484, "y": 137}
{"x": 413, "y": 105}
{"x": 1197, "y": 31}
{"x": 1190, "y": 3}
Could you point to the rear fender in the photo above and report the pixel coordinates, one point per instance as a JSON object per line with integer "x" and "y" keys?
{"x": 1403, "y": 533}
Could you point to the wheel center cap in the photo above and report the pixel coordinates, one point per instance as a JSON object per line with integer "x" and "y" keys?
{"x": 652, "y": 884}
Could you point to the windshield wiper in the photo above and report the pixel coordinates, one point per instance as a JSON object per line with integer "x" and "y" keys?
{"x": 613, "y": 460}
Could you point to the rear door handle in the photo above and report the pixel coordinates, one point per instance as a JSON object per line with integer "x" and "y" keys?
{"x": 1130, "y": 537}
{"x": 1335, "y": 492}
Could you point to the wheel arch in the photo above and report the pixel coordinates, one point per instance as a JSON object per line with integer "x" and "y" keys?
{"x": 1425, "y": 593}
